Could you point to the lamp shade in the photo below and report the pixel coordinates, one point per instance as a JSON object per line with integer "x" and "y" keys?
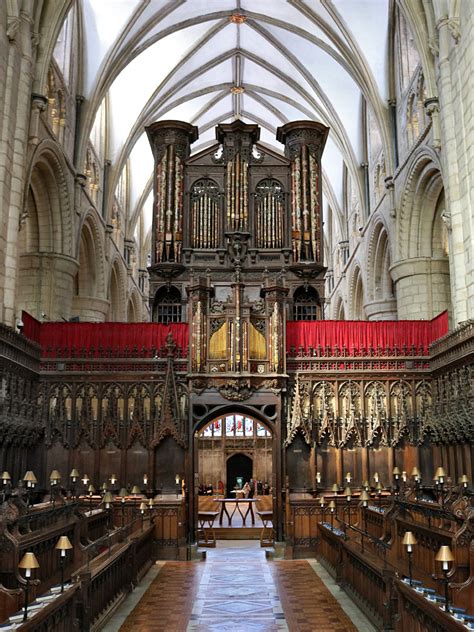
{"x": 322, "y": 502}
{"x": 28, "y": 561}
{"x": 74, "y": 473}
{"x": 6, "y": 476}
{"x": 86, "y": 479}
{"x": 123, "y": 492}
{"x": 335, "y": 488}
{"x": 55, "y": 476}
{"x": 365, "y": 484}
{"x": 364, "y": 496}
{"x": 462, "y": 480}
{"x": 444, "y": 554}
{"x": 30, "y": 478}
{"x": 415, "y": 472}
{"x": 150, "y": 503}
{"x": 396, "y": 471}
{"x": 332, "y": 505}
{"x": 91, "y": 489}
{"x": 108, "y": 498}
{"x": 142, "y": 506}
{"x": 409, "y": 538}
{"x": 63, "y": 544}
{"x": 103, "y": 487}
{"x": 379, "y": 487}
{"x": 440, "y": 473}
{"x": 136, "y": 490}
{"x": 348, "y": 492}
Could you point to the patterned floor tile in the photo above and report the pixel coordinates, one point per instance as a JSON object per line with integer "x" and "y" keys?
{"x": 238, "y": 590}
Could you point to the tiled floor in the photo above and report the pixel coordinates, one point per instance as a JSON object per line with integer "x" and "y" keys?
{"x": 237, "y": 590}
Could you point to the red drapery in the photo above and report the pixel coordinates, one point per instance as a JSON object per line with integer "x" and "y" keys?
{"x": 71, "y": 338}
{"x": 31, "y": 326}
{"x": 354, "y": 334}
{"x": 66, "y": 338}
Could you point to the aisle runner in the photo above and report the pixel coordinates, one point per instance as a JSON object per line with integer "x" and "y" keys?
{"x": 237, "y": 594}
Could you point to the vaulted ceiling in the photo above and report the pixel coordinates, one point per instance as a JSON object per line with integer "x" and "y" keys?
{"x": 264, "y": 61}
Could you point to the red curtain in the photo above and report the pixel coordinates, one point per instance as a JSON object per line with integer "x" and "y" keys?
{"x": 32, "y": 327}
{"x": 69, "y": 337}
{"x": 365, "y": 334}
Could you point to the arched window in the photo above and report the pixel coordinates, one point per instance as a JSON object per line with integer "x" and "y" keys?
{"x": 306, "y": 304}
{"x": 269, "y": 212}
{"x": 205, "y": 211}
{"x": 167, "y": 305}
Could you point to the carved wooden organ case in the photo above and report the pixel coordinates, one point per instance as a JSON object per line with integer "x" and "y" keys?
{"x": 237, "y": 228}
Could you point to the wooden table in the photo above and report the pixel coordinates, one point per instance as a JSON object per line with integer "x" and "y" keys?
{"x": 237, "y": 502}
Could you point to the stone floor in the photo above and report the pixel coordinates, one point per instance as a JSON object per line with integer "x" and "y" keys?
{"x": 237, "y": 590}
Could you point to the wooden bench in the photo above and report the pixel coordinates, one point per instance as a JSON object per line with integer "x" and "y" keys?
{"x": 205, "y": 529}
{"x": 266, "y": 535}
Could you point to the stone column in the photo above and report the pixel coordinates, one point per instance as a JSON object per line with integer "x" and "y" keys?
{"x": 17, "y": 51}
{"x": 304, "y": 144}
{"x": 456, "y": 94}
{"x": 422, "y": 287}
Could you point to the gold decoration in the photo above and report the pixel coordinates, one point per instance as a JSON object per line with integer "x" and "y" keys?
{"x": 257, "y": 344}
{"x": 238, "y": 18}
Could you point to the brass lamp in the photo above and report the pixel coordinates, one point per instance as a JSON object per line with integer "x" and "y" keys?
{"x": 348, "y": 477}
{"x": 122, "y": 494}
{"x": 91, "y": 490}
{"x": 103, "y": 487}
{"x": 322, "y": 506}
{"x": 142, "y": 512}
{"x": 54, "y": 480}
{"x": 6, "y": 478}
{"x": 30, "y": 479}
{"x": 366, "y": 485}
{"x": 376, "y": 477}
{"x": 85, "y": 480}
{"x": 332, "y": 509}
{"x": 150, "y": 503}
{"x": 318, "y": 478}
{"x": 379, "y": 488}
{"x": 335, "y": 488}
{"x": 28, "y": 563}
{"x": 74, "y": 475}
{"x": 445, "y": 556}
{"x": 55, "y": 477}
{"x": 63, "y": 545}
{"x": 396, "y": 473}
{"x": 364, "y": 498}
{"x": 113, "y": 479}
{"x": 136, "y": 491}
{"x": 108, "y": 499}
{"x": 463, "y": 480}
{"x": 409, "y": 540}
{"x": 415, "y": 474}
{"x": 348, "y": 495}
{"x": 440, "y": 474}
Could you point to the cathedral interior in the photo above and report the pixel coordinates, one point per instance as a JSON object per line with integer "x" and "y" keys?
{"x": 236, "y": 315}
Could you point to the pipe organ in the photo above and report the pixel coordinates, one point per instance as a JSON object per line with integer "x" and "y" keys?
{"x": 236, "y": 230}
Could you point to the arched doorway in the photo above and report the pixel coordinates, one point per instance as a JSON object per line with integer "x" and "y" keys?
{"x": 239, "y": 471}
{"x": 230, "y": 446}
{"x": 228, "y": 435}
